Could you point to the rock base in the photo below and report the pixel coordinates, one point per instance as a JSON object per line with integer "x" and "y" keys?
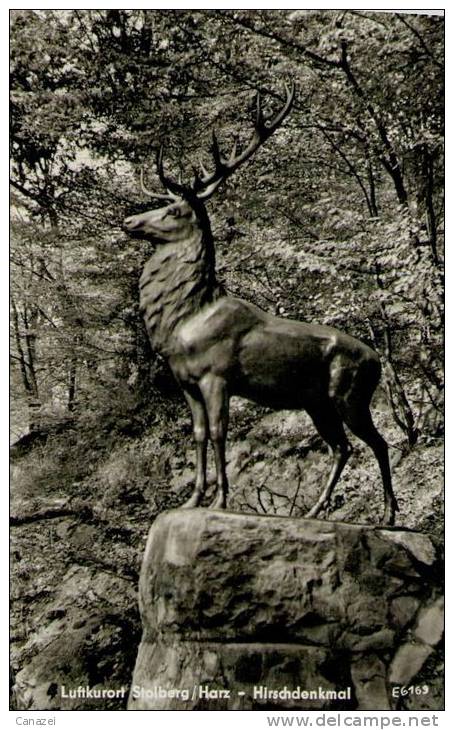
{"x": 246, "y": 612}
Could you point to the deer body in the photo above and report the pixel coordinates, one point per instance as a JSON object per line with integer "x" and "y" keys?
{"x": 218, "y": 346}
{"x": 276, "y": 362}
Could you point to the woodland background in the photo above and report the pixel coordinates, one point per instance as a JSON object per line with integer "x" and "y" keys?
{"x": 339, "y": 220}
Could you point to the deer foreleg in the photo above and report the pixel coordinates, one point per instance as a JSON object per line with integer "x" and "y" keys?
{"x": 200, "y": 433}
{"x": 214, "y": 390}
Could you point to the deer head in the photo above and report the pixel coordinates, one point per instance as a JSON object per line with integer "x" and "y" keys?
{"x": 185, "y": 203}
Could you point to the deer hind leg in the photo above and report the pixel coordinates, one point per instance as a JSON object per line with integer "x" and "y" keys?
{"x": 215, "y": 394}
{"x": 359, "y": 420}
{"x": 200, "y": 433}
{"x": 329, "y": 425}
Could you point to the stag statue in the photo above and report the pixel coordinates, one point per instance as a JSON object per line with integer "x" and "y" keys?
{"x": 218, "y": 346}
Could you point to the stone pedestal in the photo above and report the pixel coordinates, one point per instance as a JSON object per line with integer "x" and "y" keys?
{"x": 246, "y": 612}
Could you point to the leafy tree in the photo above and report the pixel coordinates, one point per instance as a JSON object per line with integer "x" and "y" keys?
{"x": 343, "y": 221}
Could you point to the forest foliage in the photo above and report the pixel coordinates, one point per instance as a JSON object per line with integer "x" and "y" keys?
{"x": 339, "y": 220}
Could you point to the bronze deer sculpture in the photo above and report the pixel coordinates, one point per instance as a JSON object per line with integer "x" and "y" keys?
{"x": 218, "y": 346}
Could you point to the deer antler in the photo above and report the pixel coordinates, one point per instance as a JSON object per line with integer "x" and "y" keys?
{"x": 169, "y": 196}
{"x": 175, "y": 189}
{"x": 204, "y": 186}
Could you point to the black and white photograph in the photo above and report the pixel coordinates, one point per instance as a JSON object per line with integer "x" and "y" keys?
{"x": 227, "y": 362}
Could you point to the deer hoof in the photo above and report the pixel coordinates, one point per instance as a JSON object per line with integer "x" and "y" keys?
{"x": 389, "y": 518}
{"x": 193, "y": 501}
{"x": 219, "y": 502}
{"x": 316, "y": 509}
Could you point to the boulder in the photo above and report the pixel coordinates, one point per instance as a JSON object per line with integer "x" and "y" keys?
{"x": 249, "y": 612}
{"x": 80, "y": 651}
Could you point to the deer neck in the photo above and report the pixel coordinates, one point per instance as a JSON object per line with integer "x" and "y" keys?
{"x": 176, "y": 282}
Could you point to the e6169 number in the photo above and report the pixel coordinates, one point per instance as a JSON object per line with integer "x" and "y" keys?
{"x": 412, "y": 689}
